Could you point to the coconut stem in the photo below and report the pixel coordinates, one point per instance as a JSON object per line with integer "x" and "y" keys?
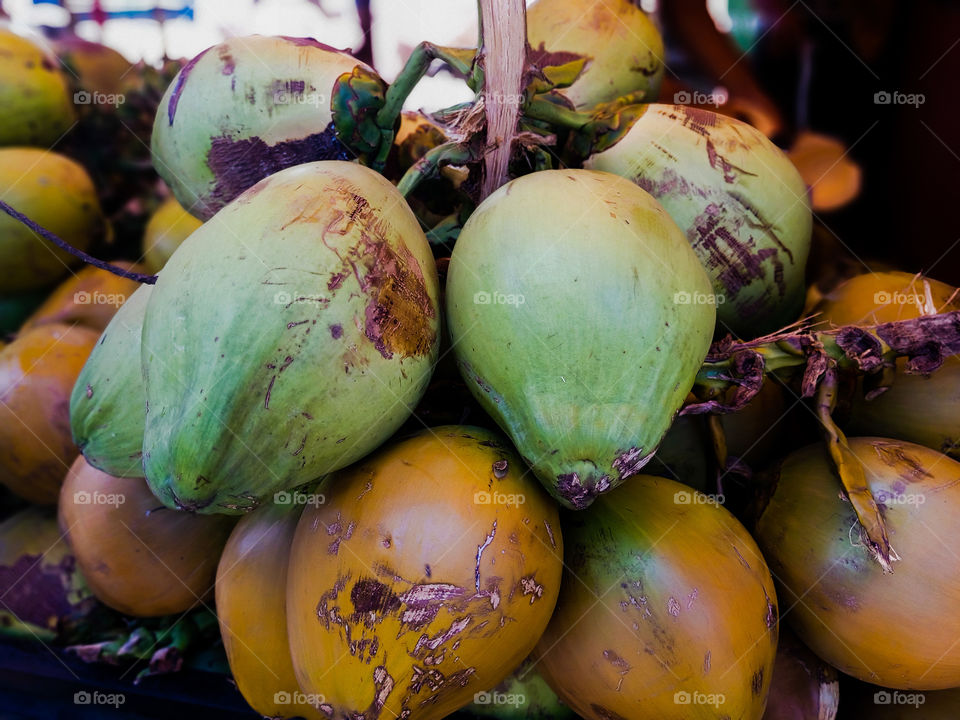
{"x": 503, "y": 54}
{"x": 64, "y": 245}
{"x": 734, "y": 371}
{"x": 851, "y": 472}
{"x": 429, "y": 165}
{"x": 459, "y": 60}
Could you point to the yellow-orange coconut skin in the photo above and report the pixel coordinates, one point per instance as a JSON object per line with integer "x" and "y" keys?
{"x": 407, "y": 591}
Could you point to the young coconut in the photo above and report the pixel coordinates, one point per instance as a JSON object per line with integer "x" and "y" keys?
{"x": 666, "y": 612}
{"x": 166, "y": 230}
{"x": 569, "y": 296}
{"x": 738, "y": 199}
{"x": 286, "y": 338}
{"x": 37, "y": 372}
{"x": 108, "y": 405}
{"x": 90, "y": 298}
{"x": 860, "y": 619}
{"x": 138, "y": 557}
{"x": 924, "y": 409}
{"x": 251, "y": 606}
{"x": 620, "y": 46}
{"x": 426, "y": 577}
{"x": 55, "y": 192}
{"x": 35, "y": 107}
{"x": 245, "y": 109}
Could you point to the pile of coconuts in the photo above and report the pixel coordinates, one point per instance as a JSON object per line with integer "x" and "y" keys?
{"x": 429, "y": 408}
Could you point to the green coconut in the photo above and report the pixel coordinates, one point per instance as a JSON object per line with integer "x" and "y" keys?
{"x": 567, "y": 295}
{"x": 108, "y": 403}
{"x": 244, "y": 109}
{"x": 740, "y": 201}
{"x": 287, "y": 337}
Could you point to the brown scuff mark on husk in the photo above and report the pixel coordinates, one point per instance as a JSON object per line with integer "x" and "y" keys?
{"x": 893, "y": 454}
{"x": 387, "y": 272}
{"x": 605, "y": 714}
{"x": 541, "y": 57}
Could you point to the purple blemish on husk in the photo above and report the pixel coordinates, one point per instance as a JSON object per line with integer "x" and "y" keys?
{"x": 240, "y": 164}
{"x": 311, "y": 42}
{"x": 229, "y": 64}
{"x": 178, "y": 88}
{"x": 629, "y": 462}
{"x": 336, "y": 331}
{"x": 37, "y": 593}
{"x": 373, "y": 596}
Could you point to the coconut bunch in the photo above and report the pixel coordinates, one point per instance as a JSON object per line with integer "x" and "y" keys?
{"x": 487, "y": 408}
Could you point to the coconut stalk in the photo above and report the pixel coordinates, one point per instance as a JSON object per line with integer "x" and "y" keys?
{"x": 734, "y": 372}
{"x": 503, "y": 55}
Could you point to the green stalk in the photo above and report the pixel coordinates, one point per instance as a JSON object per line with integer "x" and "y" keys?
{"x": 429, "y": 165}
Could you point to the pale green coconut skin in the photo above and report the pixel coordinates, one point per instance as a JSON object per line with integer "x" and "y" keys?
{"x": 740, "y": 201}
{"x": 587, "y": 373}
{"x": 108, "y": 403}
{"x": 523, "y": 695}
{"x": 287, "y": 337}
{"x": 242, "y": 110}
{"x": 621, "y": 45}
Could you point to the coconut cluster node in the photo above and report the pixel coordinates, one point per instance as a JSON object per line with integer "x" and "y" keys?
{"x": 518, "y": 409}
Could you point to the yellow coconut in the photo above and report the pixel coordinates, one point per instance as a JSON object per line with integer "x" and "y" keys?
{"x": 89, "y": 298}
{"x": 666, "y": 612}
{"x": 923, "y": 409}
{"x": 55, "y": 192}
{"x": 896, "y": 629}
{"x": 138, "y": 556}
{"x": 35, "y": 103}
{"x": 167, "y": 228}
{"x": 426, "y": 576}
{"x": 37, "y": 373}
{"x": 251, "y": 606}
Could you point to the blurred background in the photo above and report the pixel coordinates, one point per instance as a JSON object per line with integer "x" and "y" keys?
{"x": 862, "y": 92}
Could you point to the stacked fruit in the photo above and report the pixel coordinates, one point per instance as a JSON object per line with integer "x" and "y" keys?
{"x": 304, "y": 321}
